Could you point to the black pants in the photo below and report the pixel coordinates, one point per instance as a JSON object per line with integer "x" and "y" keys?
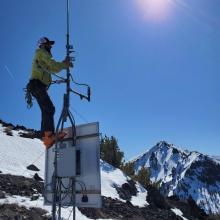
{"x": 39, "y": 91}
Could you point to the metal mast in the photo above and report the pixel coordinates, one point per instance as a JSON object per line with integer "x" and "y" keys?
{"x": 57, "y": 189}
{"x": 66, "y": 114}
{"x": 68, "y": 51}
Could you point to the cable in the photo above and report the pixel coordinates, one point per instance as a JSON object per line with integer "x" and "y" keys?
{"x": 38, "y": 157}
{"x": 71, "y": 213}
{"x": 80, "y": 84}
{"x": 80, "y": 116}
{"x": 74, "y": 122}
{"x": 68, "y": 190}
{"x": 33, "y": 162}
{"x": 82, "y": 183}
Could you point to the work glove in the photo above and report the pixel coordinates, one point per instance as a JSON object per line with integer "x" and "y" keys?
{"x": 68, "y": 62}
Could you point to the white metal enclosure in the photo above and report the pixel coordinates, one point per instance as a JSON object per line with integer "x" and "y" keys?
{"x": 81, "y": 162}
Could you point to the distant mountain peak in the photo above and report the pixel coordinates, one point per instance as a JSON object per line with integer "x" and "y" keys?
{"x": 184, "y": 173}
{"x": 164, "y": 144}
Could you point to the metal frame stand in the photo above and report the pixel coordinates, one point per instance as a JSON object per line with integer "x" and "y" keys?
{"x": 57, "y": 187}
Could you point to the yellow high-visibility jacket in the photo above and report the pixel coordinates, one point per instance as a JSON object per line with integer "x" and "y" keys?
{"x": 44, "y": 65}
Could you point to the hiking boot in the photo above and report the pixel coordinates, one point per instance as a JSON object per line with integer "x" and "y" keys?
{"x": 49, "y": 138}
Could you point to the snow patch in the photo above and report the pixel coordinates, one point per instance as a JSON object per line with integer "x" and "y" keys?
{"x": 141, "y": 198}
{"x": 179, "y": 213}
{"x": 111, "y": 177}
{"x": 18, "y": 153}
{"x": 39, "y": 203}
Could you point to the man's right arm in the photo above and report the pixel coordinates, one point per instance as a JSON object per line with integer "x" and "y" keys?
{"x": 51, "y": 65}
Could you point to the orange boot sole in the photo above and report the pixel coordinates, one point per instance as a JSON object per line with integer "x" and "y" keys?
{"x": 49, "y": 140}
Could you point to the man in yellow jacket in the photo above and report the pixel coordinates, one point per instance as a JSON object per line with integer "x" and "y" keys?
{"x": 42, "y": 67}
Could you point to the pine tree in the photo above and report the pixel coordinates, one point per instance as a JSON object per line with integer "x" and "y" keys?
{"x": 128, "y": 169}
{"x": 143, "y": 176}
{"x": 110, "y": 151}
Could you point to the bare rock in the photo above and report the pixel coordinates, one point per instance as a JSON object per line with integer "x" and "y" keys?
{"x": 32, "y": 167}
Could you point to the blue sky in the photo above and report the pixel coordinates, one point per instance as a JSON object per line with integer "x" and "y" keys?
{"x": 153, "y": 77}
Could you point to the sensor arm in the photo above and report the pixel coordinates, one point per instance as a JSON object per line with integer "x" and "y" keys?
{"x": 81, "y": 95}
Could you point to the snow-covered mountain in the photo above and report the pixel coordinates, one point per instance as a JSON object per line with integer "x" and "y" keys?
{"x": 217, "y": 158}
{"x": 21, "y": 189}
{"x": 184, "y": 173}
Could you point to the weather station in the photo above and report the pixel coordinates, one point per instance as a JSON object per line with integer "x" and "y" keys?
{"x": 72, "y": 165}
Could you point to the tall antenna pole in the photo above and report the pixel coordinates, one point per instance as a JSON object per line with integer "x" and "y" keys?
{"x": 66, "y": 114}
{"x": 57, "y": 190}
{"x": 68, "y": 47}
